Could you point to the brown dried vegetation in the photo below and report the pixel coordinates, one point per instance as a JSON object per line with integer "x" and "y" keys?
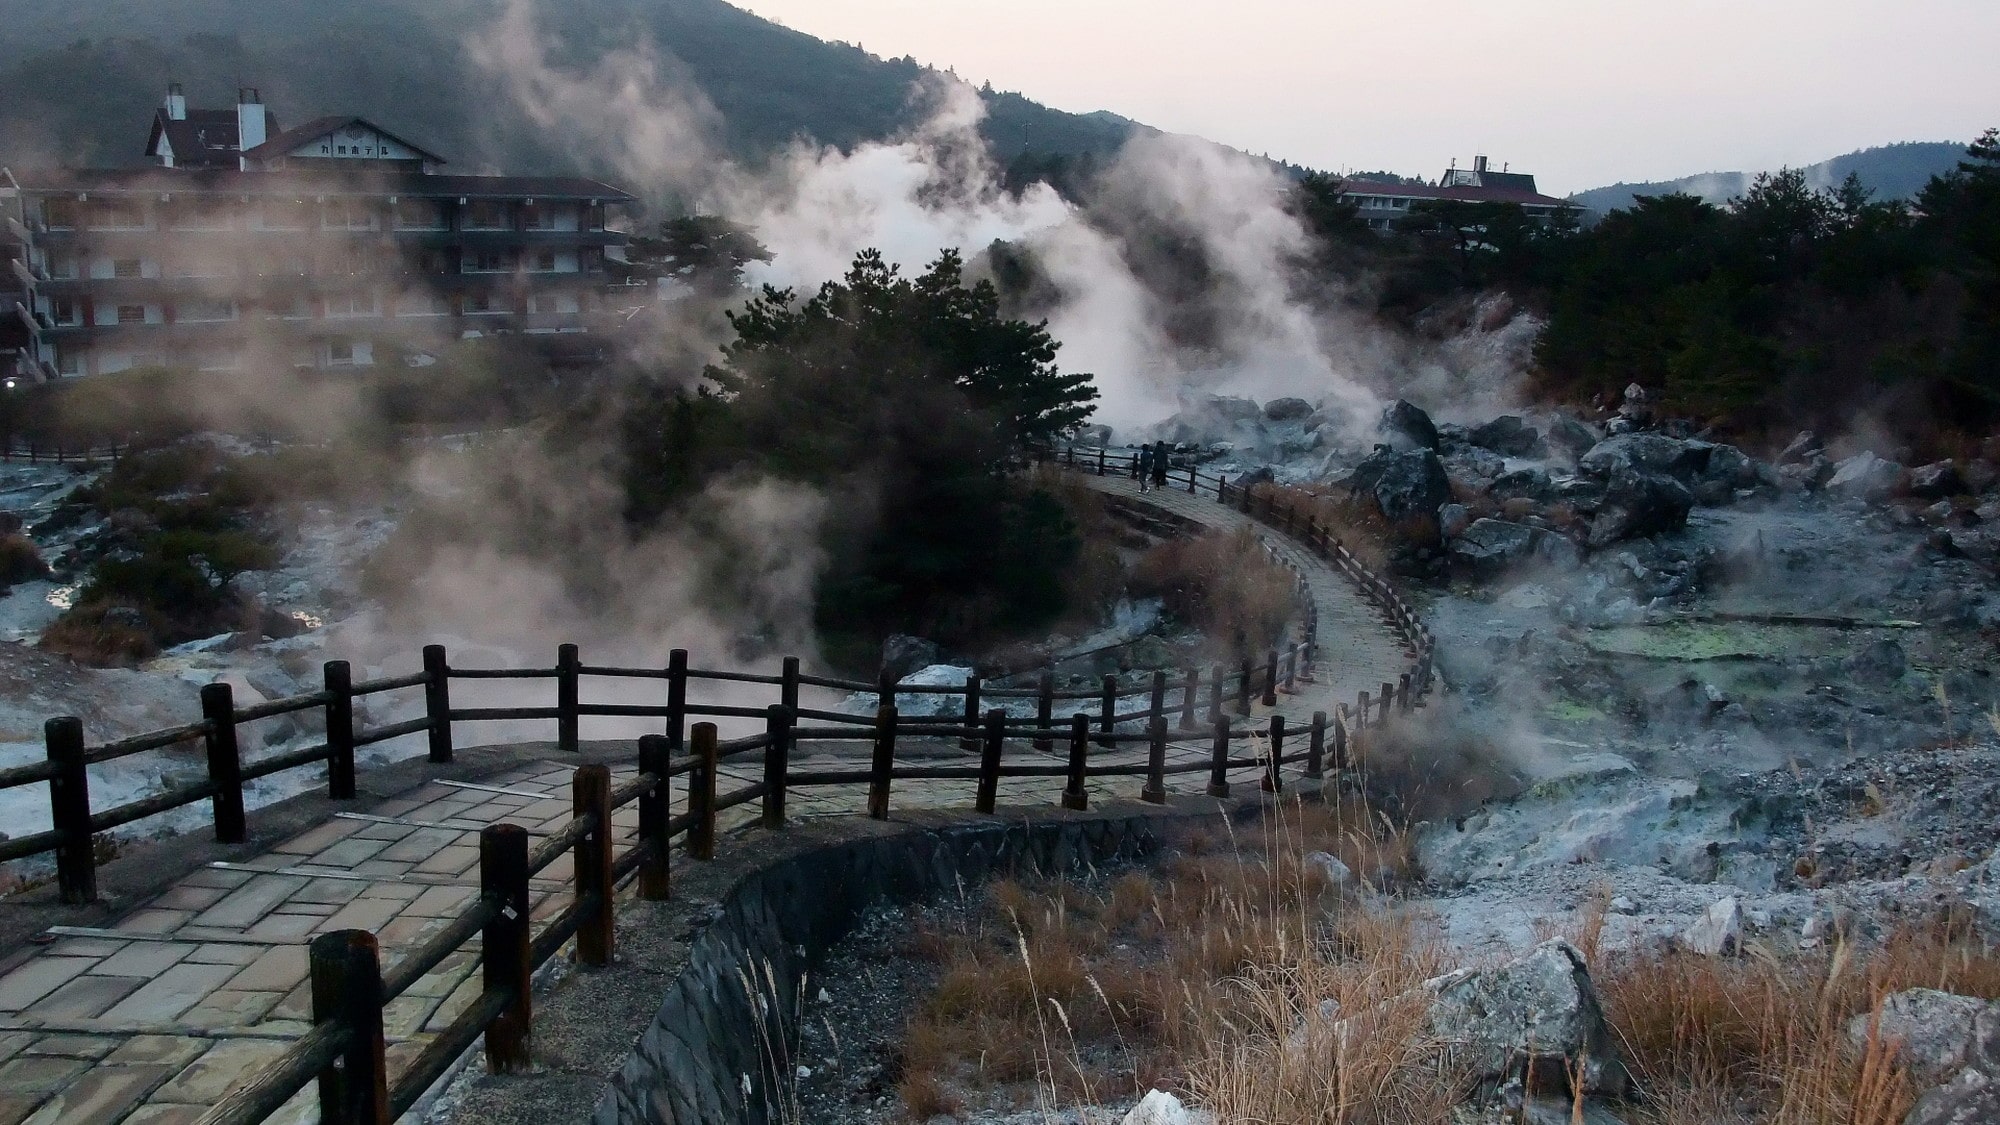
{"x": 1222, "y": 583}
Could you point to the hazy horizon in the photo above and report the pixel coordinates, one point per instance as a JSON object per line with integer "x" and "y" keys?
{"x": 1581, "y": 93}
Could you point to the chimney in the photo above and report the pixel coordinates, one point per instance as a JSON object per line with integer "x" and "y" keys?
{"x": 249, "y": 123}
{"x": 1479, "y": 164}
{"x": 177, "y": 103}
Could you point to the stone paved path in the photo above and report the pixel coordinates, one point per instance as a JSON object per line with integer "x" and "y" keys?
{"x": 149, "y": 1021}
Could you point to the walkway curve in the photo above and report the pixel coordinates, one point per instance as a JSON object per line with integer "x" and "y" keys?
{"x": 1359, "y": 647}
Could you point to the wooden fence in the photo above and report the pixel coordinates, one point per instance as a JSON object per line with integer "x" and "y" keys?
{"x": 344, "y": 1051}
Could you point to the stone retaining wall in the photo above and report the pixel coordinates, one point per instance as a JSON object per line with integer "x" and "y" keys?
{"x": 707, "y": 1058}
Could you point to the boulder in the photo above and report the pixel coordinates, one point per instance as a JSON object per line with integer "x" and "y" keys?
{"x": 1638, "y": 405}
{"x": 1718, "y": 932}
{"x": 1936, "y": 481}
{"x": 1685, "y": 461}
{"x": 1539, "y": 1012}
{"x": 1980, "y": 475}
{"x": 1973, "y": 1097}
{"x": 1570, "y": 435}
{"x": 1865, "y": 476}
{"x": 1559, "y": 551}
{"x": 1637, "y": 504}
{"x": 1473, "y": 465}
{"x": 903, "y": 654}
{"x": 1287, "y": 409}
{"x": 1094, "y": 435}
{"x": 1490, "y": 546}
{"x": 1453, "y": 519}
{"x": 1405, "y": 486}
{"x": 1161, "y": 1108}
{"x": 1337, "y": 873}
{"x": 1232, "y": 409}
{"x": 1508, "y": 435}
{"x": 1932, "y": 1029}
{"x": 1527, "y": 484}
{"x": 1800, "y": 447}
{"x": 1408, "y": 427}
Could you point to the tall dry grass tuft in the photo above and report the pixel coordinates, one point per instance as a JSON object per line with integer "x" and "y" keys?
{"x": 1223, "y": 582}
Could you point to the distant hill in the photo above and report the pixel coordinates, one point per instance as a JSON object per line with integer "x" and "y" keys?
{"x": 79, "y": 81}
{"x": 1892, "y": 172}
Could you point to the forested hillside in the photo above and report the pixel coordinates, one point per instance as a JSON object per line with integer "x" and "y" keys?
{"x": 79, "y": 81}
{"x": 1890, "y": 171}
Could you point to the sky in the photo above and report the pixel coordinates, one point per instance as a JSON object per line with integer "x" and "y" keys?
{"x": 1579, "y": 92}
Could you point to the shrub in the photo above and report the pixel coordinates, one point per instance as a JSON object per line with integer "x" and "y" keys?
{"x": 20, "y": 559}
{"x": 1223, "y": 583}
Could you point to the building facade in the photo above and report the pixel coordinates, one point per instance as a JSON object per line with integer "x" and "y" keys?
{"x": 1382, "y": 204}
{"x": 333, "y": 245}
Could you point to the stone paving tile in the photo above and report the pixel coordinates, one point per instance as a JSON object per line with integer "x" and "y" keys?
{"x": 287, "y": 928}
{"x": 451, "y": 861}
{"x": 143, "y": 959}
{"x": 73, "y": 1046}
{"x": 164, "y": 1115}
{"x": 395, "y": 892}
{"x": 175, "y": 1051}
{"x": 278, "y": 969}
{"x": 104, "y": 1094}
{"x": 169, "y": 994}
{"x": 219, "y": 954}
{"x": 37, "y": 979}
{"x": 86, "y": 997}
{"x": 215, "y": 877}
{"x": 14, "y": 1042}
{"x": 154, "y": 921}
{"x": 421, "y": 845}
{"x": 26, "y": 1083}
{"x": 317, "y": 839}
{"x": 312, "y": 909}
{"x": 84, "y": 947}
{"x": 336, "y": 892}
{"x": 189, "y": 898}
{"x": 249, "y": 902}
{"x": 227, "y": 1007}
{"x": 347, "y": 852}
{"x": 440, "y": 902}
{"x": 219, "y": 1070}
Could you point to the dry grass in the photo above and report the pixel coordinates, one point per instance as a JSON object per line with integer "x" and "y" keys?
{"x": 1223, "y": 583}
{"x": 1235, "y": 975}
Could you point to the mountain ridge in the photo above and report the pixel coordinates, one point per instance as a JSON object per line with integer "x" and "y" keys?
{"x": 1893, "y": 171}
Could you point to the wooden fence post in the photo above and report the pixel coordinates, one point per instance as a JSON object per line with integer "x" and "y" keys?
{"x": 1107, "y": 710}
{"x": 1271, "y": 680}
{"x": 788, "y": 685}
{"x": 1403, "y": 701}
{"x": 1340, "y": 738}
{"x": 701, "y": 792}
{"x": 1316, "y": 747}
{"x": 1155, "y": 789}
{"x": 1244, "y": 688}
{"x": 1045, "y": 708}
{"x": 1291, "y": 682}
{"x": 1221, "y": 489}
{"x": 345, "y": 968}
{"x": 437, "y": 701}
{"x": 339, "y": 679}
{"x": 1388, "y": 701}
{"x": 989, "y": 761}
{"x": 969, "y": 741}
{"x": 1215, "y": 688}
{"x": 1074, "y": 795}
{"x": 1158, "y": 708}
{"x": 883, "y": 761}
{"x": 655, "y": 810}
{"x": 677, "y": 698}
{"x": 591, "y": 789}
{"x": 505, "y": 944}
{"x": 1274, "y": 781}
{"x": 1190, "y": 480}
{"x": 566, "y": 701}
{"x": 69, "y": 810}
{"x": 1361, "y": 711}
{"x": 1218, "y": 760}
{"x": 225, "y": 762}
{"x": 1190, "y": 691}
{"x": 1100, "y": 460}
{"x": 777, "y": 761}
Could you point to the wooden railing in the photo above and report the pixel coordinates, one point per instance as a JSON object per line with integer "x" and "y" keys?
{"x": 344, "y": 1051}
{"x": 1282, "y": 513}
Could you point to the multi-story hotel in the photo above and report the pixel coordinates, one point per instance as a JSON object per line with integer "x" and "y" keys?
{"x": 1383, "y": 204}
{"x": 336, "y": 244}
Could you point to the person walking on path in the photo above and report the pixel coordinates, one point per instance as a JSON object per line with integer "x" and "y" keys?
{"x": 1160, "y": 466}
{"x": 1146, "y": 459}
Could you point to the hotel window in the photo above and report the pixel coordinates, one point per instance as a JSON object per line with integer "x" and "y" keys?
{"x": 350, "y": 304}
{"x": 490, "y": 261}
{"x": 285, "y": 215}
{"x": 117, "y": 216}
{"x": 60, "y": 214}
{"x": 419, "y": 214}
{"x": 486, "y": 215}
{"x": 545, "y": 261}
{"x": 131, "y": 314}
{"x": 348, "y": 214}
{"x": 340, "y": 352}
{"x": 127, "y": 268}
{"x": 65, "y": 311}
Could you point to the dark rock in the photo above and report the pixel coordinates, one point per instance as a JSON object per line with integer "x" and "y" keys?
{"x": 1232, "y": 408}
{"x": 1406, "y": 486}
{"x": 1972, "y": 1098}
{"x": 1526, "y": 484}
{"x": 1936, "y": 481}
{"x": 1638, "y": 503}
{"x": 1094, "y": 435}
{"x": 1287, "y": 409}
{"x": 1980, "y": 475}
{"x": 903, "y": 654}
{"x": 1559, "y": 551}
{"x": 1453, "y": 519}
{"x": 1865, "y": 476}
{"x": 1490, "y": 546}
{"x": 1801, "y": 447}
{"x": 1638, "y": 405}
{"x": 1685, "y": 461}
{"x": 1508, "y": 435}
{"x": 1882, "y": 663}
{"x": 1570, "y": 435}
{"x": 1408, "y": 427}
{"x": 1809, "y": 475}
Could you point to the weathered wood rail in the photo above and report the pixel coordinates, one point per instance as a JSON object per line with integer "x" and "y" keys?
{"x": 344, "y": 1052}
